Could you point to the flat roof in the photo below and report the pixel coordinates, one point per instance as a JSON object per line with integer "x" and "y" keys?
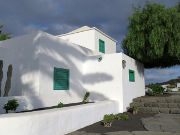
{"x": 86, "y": 28}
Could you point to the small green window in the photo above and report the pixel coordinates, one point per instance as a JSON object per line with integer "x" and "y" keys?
{"x": 131, "y": 76}
{"x": 101, "y": 46}
{"x": 61, "y": 79}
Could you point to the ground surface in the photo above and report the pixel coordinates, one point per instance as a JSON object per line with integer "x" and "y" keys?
{"x": 163, "y": 123}
{"x": 126, "y": 133}
{"x": 158, "y": 124}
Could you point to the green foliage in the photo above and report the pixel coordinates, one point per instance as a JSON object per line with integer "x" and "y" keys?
{"x": 2, "y": 35}
{"x": 122, "y": 117}
{"x": 60, "y": 105}
{"x": 156, "y": 89}
{"x": 108, "y": 118}
{"x": 154, "y": 35}
{"x": 85, "y": 97}
{"x": 169, "y": 90}
{"x": 11, "y": 105}
{"x": 178, "y": 89}
{"x": 150, "y": 92}
{"x": 135, "y": 107}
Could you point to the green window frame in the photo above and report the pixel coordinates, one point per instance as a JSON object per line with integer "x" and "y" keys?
{"x": 61, "y": 79}
{"x": 131, "y": 75}
{"x": 101, "y": 46}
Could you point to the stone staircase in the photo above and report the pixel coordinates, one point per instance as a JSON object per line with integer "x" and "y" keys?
{"x": 160, "y": 104}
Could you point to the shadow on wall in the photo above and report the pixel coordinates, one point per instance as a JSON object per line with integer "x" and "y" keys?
{"x": 67, "y": 56}
{"x": 53, "y": 52}
{"x": 8, "y": 81}
{"x": 1, "y": 75}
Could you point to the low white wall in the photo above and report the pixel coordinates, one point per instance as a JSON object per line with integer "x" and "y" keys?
{"x": 55, "y": 121}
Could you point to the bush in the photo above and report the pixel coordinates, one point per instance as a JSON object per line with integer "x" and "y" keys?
{"x": 11, "y": 105}
{"x": 108, "y": 118}
{"x": 156, "y": 89}
{"x": 179, "y": 89}
{"x": 60, "y": 105}
{"x": 150, "y": 92}
{"x": 169, "y": 90}
{"x": 85, "y": 97}
{"x": 122, "y": 117}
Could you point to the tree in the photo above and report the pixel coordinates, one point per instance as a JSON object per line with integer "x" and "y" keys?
{"x": 154, "y": 35}
{"x": 2, "y": 35}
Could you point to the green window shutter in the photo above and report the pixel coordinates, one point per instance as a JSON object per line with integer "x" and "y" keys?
{"x": 101, "y": 46}
{"x": 131, "y": 76}
{"x": 61, "y": 79}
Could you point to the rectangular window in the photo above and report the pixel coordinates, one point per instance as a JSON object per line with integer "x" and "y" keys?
{"x": 131, "y": 76}
{"x": 61, "y": 79}
{"x": 101, "y": 46}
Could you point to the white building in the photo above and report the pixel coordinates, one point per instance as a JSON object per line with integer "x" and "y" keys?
{"x": 48, "y": 69}
{"x": 90, "y": 38}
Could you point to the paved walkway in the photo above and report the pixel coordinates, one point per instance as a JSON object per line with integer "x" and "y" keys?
{"x": 163, "y": 123}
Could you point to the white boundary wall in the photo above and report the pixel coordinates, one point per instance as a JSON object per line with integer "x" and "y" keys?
{"x": 55, "y": 121}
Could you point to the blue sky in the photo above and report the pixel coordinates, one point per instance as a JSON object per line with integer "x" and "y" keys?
{"x": 60, "y": 16}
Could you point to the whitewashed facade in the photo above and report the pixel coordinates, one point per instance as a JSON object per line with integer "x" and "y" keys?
{"x": 35, "y": 56}
{"x": 89, "y": 38}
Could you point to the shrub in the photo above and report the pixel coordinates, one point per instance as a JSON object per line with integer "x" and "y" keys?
{"x": 150, "y": 92}
{"x": 179, "y": 89}
{"x": 85, "y": 97}
{"x": 122, "y": 117}
{"x": 108, "y": 119}
{"x": 11, "y": 105}
{"x": 118, "y": 116}
{"x": 169, "y": 90}
{"x": 60, "y": 105}
{"x": 156, "y": 89}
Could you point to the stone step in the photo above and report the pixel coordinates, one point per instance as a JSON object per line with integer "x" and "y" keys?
{"x": 159, "y": 110}
{"x": 175, "y": 99}
{"x": 156, "y": 104}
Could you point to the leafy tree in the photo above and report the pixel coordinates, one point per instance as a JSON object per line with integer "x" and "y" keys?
{"x": 2, "y": 35}
{"x": 154, "y": 35}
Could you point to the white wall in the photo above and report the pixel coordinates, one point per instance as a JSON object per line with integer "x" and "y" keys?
{"x": 85, "y": 39}
{"x": 21, "y": 53}
{"x": 58, "y": 121}
{"x": 135, "y": 89}
{"x": 110, "y": 45}
{"x": 33, "y": 58}
{"x": 90, "y": 40}
{"x": 55, "y": 52}
{"x": 104, "y": 79}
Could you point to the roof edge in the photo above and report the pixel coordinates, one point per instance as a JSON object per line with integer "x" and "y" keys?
{"x": 93, "y": 28}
